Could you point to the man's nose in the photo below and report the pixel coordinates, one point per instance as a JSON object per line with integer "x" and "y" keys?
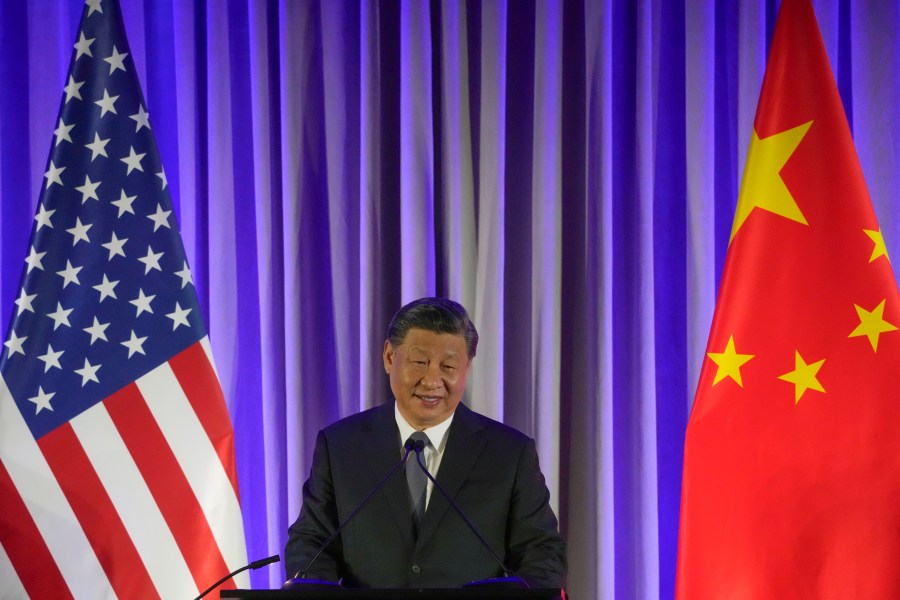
{"x": 432, "y": 378}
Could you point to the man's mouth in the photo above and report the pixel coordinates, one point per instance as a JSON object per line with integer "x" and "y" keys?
{"x": 428, "y": 400}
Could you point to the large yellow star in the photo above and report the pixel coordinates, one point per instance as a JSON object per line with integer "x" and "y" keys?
{"x": 762, "y": 186}
{"x": 880, "y": 249}
{"x": 729, "y": 363}
{"x": 803, "y": 377}
{"x": 872, "y": 324}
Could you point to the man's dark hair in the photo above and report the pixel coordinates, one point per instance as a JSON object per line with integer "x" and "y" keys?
{"x": 439, "y": 315}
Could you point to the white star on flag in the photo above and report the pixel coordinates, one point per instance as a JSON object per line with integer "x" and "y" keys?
{"x": 89, "y": 189}
{"x": 185, "y": 275}
{"x": 160, "y": 218}
{"x": 88, "y": 372}
{"x": 106, "y": 289}
{"x": 124, "y": 203}
{"x": 116, "y": 60}
{"x": 42, "y": 400}
{"x": 141, "y": 118}
{"x": 83, "y": 46}
{"x": 98, "y": 147}
{"x": 151, "y": 260}
{"x": 25, "y": 302}
{"x": 142, "y": 302}
{"x": 97, "y": 331}
{"x": 72, "y": 89}
{"x": 14, "y": 344}
{"x": 69, "y": 274}
{"x": 114, "y": 245}
{"x": 51, "y": 358}
{"x": 107, "y": 104}
{"x": 179, "y": 317}
{"x": 35, "y": 260}
{"x": 79, "y": 232}
{"x": 135, "y": 344}
{"x": 43, "y": 217}
{"x": 62, "y": 132}
{"x": 53, "y": 175}
{"x": 60, "y": 316}
{"x": 94, "y": 6}
{"x": 133, "y": 160}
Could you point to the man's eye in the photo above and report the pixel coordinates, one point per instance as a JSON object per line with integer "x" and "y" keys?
{"x": 419, "y": 363}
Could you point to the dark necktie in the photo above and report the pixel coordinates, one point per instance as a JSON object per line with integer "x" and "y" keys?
{"x": 417, "y": 481}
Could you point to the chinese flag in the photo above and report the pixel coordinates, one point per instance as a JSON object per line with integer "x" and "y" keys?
{"x": 791, "y": 484}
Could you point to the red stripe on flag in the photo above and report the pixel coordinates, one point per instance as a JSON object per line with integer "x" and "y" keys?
{"x": 25, "y": 546}
{"x": 167, "y": 483}
{"x": 96, "y": 514}
{"x": 199, "y": 382}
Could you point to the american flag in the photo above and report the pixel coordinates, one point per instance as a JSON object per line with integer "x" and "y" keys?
{"x": 117, "y": 471}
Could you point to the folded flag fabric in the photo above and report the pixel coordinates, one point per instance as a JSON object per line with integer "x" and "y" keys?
{"x": 117, "y": 470}
{"x": 791, "y": 485}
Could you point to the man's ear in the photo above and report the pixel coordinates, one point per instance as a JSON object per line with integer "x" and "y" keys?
{"x": 388, "y": 356}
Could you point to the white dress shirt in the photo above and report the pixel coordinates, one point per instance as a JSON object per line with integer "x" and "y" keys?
{"x": 434, "y": 451}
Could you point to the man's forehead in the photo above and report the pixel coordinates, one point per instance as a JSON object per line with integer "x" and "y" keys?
{"x": 427, "y": 340}
{"x": 429, "y": 349}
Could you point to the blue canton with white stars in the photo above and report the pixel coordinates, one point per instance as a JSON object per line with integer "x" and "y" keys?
{"x": 106, "y": 293}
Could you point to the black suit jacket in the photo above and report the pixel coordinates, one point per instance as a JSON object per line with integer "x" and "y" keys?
{"x": 489, "y": 469}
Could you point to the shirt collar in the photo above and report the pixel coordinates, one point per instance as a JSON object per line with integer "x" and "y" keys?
{"x": 437, "y": 435}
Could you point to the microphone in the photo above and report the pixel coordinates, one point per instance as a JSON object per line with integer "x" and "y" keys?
{"x": 510, "y": 579}
{"x": 256, "y": 564}
{"x": 299, "y": 579}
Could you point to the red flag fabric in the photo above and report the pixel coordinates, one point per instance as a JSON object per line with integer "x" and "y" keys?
{"x": 791, "y": 485}
{"x": 117, "y": 469}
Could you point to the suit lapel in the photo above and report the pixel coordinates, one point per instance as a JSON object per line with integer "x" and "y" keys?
{"x": 383, "y": 444}
{"x": 463, "y": 448}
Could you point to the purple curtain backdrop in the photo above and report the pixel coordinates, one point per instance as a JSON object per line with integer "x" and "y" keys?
{"x": 567, "y": 170}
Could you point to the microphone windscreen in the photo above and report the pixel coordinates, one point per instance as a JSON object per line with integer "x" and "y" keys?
{"x": 257, "y": 564}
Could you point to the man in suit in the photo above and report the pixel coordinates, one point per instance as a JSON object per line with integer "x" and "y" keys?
{"x": 490, "y": 470}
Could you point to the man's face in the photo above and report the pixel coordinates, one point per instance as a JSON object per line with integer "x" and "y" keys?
{"x": 428, "y": 374}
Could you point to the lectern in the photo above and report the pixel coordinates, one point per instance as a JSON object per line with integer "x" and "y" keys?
{"x": 395, "y": 594}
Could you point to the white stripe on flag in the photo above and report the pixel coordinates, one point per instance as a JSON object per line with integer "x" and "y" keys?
{"x": 136, "y": 507}
{"x": 11, "y": 587}
{"x": 199, "y": 461}
{"x": 54, "y": 518}
{"x": 207, "y": 348}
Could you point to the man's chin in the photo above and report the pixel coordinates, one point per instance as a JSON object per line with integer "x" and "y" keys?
{"x": 431, "y": 415}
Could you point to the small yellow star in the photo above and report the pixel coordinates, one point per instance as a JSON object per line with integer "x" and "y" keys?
{"x": 872, "y": 324}
{"x": 729, "y": 363}
{"x": 762, "y": 186}
{"x": 880, "y": 249}
{"x": 803, "y": 377}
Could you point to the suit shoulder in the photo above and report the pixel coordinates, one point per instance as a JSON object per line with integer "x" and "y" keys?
{"x": 497, "y": 430}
